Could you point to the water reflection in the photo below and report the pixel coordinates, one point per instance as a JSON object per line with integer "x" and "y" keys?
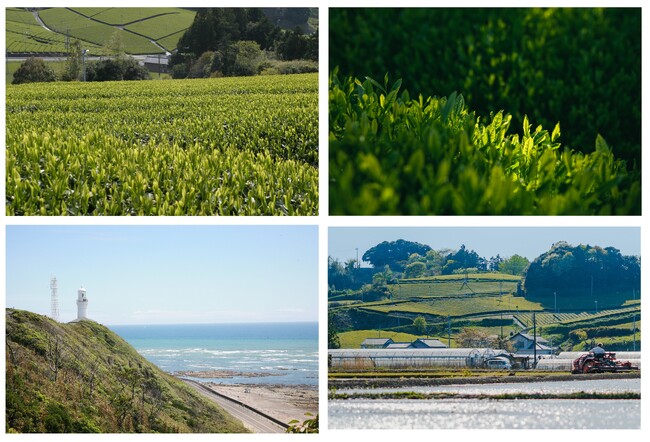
{"x": 484, "y": 414}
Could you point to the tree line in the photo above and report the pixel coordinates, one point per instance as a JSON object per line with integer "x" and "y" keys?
{"x": 564, "y": 270}
{"x": 241, "y": 42}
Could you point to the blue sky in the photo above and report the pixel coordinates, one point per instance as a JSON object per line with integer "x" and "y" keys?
{"x": 167, "y": 274}
{"x": 486, "y": 241}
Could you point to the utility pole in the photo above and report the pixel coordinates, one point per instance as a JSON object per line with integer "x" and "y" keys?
{"x": 634, "y": 331}
{"x": 534, "y": 341}
{"x": 502, "y": 328}
{"x": 83, "y": 62}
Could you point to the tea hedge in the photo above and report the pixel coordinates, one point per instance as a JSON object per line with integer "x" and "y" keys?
{"x": 393, "y": 155}
{"x": 236, "y": 146}
{"x": 580, "y": 66}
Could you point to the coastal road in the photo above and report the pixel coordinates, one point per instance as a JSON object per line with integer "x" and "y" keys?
{"x": 252, "y": 420}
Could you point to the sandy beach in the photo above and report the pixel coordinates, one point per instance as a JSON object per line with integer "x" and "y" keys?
{"x": 282, "y": 402}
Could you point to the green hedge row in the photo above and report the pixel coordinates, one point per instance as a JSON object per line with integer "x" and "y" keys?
{"x": 393, "y": 155}
{"x": 580, "y": 66}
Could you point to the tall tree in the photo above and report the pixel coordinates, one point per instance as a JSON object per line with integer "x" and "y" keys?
{"x": 583, "y": 271}
{"x": 74, "y": 62}
{"x": 515, "y": 265}
{"x": 393, "y": 254}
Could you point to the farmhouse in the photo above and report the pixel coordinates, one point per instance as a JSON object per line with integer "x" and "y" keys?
{"x": 389, "y": 343}
{"x": 395, "y": 345}
{"x": 523, "y": 344}
{"x": 427, "y": 343}
{"x": 156, "y": 63}
{"x": 376, "y": 342}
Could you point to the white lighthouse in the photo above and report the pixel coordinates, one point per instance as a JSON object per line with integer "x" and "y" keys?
{"x": 82, "y": 304}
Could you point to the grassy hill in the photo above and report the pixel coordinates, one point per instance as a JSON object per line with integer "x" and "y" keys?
{"x": 486, "y": 302}
{"x": 83, "y": 378}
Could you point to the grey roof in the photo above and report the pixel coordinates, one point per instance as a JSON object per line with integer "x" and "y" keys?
{"x": 531, "y": 338}
{"x": 376, "y": 341}
{"x": 399, "y": 345}
{"x": 431, "y": 343}
{"x": 156, "y": 60}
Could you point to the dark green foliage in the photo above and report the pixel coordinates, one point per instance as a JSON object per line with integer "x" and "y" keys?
{"x": 295, "y": 45}
{"x": 575, "y": 272}
{"x": 580, "y": 66}
{"x": 57, "y": 419}
{"x": 240, "y": 39}
{"x": 117, "y": 69}
{"x": 202, "y": 68}
{"x": 393, "y": 155}
{"x": 247, "y": 58}
{"x": 33, "y": 70}
{"x": 333, "y": 340}
{"x": 274, "y": 67}
{"x": 393, "y": 253}
{"x": 463, "y": 259}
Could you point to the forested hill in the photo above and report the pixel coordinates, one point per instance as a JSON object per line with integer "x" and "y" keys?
{"x": 81, "y": 377}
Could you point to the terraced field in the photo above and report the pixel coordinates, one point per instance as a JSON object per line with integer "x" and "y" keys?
{"x": 458, "y": 306}
{"x": 25, "y": 35}
{"x": 444, "y": 288}
{"x": 63, "y": 20}
{"x": 136, "y": 27}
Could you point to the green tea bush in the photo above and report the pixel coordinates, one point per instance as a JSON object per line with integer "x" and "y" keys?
{"x": 393, "y": 155}
{"x": 580, "y": 66}
{"x": 230, "y": 146}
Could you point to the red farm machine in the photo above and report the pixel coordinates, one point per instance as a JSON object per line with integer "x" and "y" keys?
{"x": 605, "y": 363}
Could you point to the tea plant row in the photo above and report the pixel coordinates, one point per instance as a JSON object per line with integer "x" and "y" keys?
{"x": 393, "y": 155}
{"x": 239, "y": 146}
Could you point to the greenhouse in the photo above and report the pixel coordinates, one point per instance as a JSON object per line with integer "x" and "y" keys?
{"x": 411, "y": 358}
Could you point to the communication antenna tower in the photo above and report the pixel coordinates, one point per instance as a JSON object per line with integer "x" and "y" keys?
{"x": 55, "y": 300}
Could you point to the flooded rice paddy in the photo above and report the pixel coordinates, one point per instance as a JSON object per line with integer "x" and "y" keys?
{"x": 587, "y": 386}
{"x": 489, "y": 413}
{"x": 484, "y": 414}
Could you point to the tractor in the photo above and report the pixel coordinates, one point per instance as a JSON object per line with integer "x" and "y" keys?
{"x": 606, "y": 363}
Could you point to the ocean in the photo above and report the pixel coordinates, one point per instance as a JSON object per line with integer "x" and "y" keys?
{"x": 264, "y": 353}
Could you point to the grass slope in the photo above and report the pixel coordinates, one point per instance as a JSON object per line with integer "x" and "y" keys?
{"x": 83, "y": 378}
{"x": 353, "y": 339}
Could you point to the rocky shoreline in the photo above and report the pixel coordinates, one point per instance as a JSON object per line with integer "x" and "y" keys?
{"x": 221, "y": 374}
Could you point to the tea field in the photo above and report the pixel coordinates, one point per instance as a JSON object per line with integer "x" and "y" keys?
{"x": 231, "y": 146}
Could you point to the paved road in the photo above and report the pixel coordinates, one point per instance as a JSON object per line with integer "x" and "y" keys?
{"x": 251, "y": 420}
